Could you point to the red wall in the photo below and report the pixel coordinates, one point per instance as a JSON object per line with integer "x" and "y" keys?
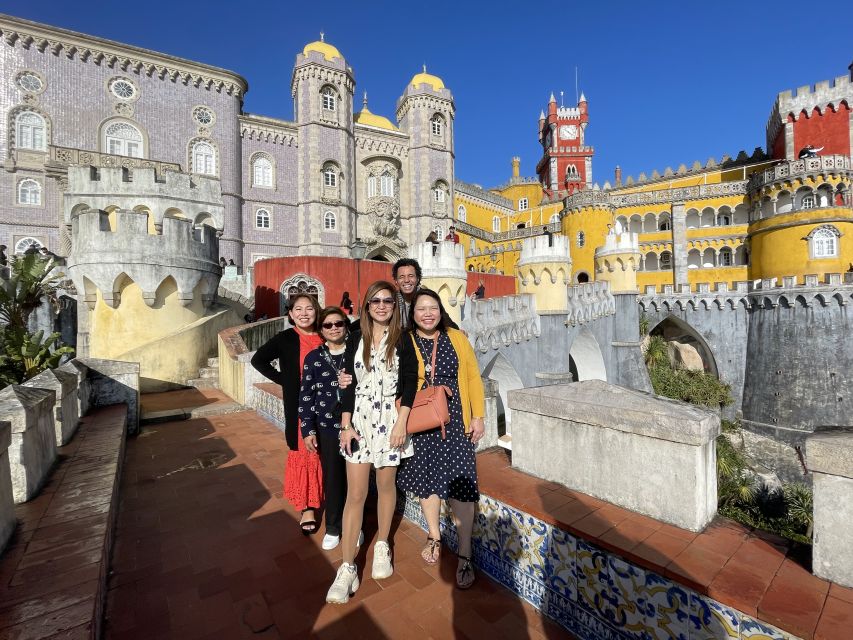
{"x": 830, "y": 131}
{"x": 343, "y": 274}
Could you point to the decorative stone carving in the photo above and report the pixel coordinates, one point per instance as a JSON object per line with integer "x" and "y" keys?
{"x": 384, "y": 214}
{"x": 124, "y": 109}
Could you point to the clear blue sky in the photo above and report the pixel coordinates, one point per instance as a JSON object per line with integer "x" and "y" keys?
{"x": 666, "y": 82}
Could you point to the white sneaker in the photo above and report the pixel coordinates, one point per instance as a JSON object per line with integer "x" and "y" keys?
{"x": 381, "y": 561}
{"x": 345, "y": 584}
{"x": 330, "y": 541}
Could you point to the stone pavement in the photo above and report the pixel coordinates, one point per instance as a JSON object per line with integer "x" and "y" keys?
{"x": 207, "y": 548}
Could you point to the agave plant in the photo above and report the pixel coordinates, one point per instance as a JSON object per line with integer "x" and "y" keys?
{"x": 24, "y": 355}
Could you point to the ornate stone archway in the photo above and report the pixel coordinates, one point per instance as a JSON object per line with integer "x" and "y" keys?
{"x": 300, "y": 283}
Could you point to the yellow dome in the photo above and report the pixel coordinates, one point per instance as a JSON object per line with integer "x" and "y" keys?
{"x": 329, "y": 52}
{"x": 427, "y": 78}
{"x": 372, "y": 120}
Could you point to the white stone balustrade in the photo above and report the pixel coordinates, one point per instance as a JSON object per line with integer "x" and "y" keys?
{"x": 496, "y": 322}
{"x": 7, "y": 502}
{"x": 641, "y": 452}
{"x": 32, "y": 451}
{"x": 829, "y": 457}
{"x": 590, "y": 301}
{"x": 66, "y": 414}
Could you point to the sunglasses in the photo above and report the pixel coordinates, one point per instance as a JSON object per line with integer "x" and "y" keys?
{"x": 380, "y": 301}
{"x": 337, "y": 325}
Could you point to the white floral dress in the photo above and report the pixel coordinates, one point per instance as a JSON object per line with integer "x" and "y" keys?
{"x": 374, "y": 414}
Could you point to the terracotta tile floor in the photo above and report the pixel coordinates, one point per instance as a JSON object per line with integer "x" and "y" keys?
{"x": 205, "y": 547}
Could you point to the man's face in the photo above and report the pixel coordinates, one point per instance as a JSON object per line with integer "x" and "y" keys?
{"x": 407, "y": 280}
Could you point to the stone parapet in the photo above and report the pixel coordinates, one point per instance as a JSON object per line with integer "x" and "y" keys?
{"x": 593, "y": 198}
{"x": 541, "y": 248}
{"x": 829, "y": 457}
{"x": 496, "y": 322}
{"x": 32, "y": 451}
{"x": 644, "y": 453}
{"x": 589, "y": 301}
{"x": 785, "y": 170}
{"x": 236, "y": 346}
{"x": 7, "y": 502}
{"x": 66, "y": 415}
{"x": 114, "y": 382}
{"x": 442, "y": 260}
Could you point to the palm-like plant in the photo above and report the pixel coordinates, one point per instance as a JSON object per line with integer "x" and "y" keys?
{"x": 30, "y": 281}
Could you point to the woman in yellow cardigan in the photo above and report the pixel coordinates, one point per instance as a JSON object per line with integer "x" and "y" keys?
{"x": 445, "y": 469}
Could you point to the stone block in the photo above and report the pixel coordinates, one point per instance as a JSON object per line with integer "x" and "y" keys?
{"x": 66, "y": 411}
{"x": 641, "y": 452}
{"x": 829, "y": 456}
{"x": 490, "y": 439}
{"x": 114, "y": 382}
{"x": 32, "y": 451}
{"x": 7, "y": 501}
{"x": 81, "y": 371}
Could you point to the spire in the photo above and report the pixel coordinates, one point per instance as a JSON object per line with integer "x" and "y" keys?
{"x": 542, "y": 115}
{"x": 322, "y": 37}
{"x": 424, "y": 67}
{"x": 582, "y": 98}
{"x": 364, "y": 101}
{"x": 553, "y": 99}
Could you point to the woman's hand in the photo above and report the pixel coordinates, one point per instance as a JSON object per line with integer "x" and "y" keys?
{"x": 310, "y": 443}
{"x": 344, "y": 379}
{"x": 398, "y": 433}
{"x": 348, "y": 434}
{"x": 478, "y": 429}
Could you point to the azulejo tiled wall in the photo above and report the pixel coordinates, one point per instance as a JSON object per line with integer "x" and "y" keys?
{"x": 593, "y": 593}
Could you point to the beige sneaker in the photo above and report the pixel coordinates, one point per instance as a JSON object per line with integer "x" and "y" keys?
{"x": 345, "y": 584}
{"x": 381, "y": 561}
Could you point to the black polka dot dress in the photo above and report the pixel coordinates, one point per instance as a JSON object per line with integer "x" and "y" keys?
{"x": 445, "y": 468}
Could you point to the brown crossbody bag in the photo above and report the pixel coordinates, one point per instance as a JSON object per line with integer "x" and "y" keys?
{"x": 429, "y": 410}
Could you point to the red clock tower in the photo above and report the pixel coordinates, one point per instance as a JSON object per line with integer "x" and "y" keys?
{"x": 566, "y": 164}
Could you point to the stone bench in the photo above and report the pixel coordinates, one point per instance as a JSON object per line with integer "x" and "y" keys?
{"x": 645, "y": 453}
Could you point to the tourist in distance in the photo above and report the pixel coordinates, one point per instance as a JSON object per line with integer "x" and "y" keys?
{"x": 373, "y": 431}
{"x": 319, "y": 412}
{"x": 444, "y": 468}
{"x": 346, "y": 304}
{"x": 303, "y": 482}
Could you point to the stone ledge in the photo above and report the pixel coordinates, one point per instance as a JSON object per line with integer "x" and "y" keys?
{"x": 831, "y": 453}
{"x": 55, "y": 568}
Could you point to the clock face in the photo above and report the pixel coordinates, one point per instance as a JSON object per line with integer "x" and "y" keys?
{"x": 569, "y": 132}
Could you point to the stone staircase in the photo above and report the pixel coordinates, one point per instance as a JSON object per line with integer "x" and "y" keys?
{"x": 208, "y": 377}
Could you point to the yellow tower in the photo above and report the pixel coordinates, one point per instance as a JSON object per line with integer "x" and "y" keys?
{"x": 618, "y": 261}
{"x": 586, "y": 220}
{"x": 544, "y": 269}
{"x": 444, "y": 272}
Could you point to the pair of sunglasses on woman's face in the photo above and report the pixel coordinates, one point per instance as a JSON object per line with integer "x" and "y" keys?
{"x": 337, "y": 325}
{"x": 380, "y": 301}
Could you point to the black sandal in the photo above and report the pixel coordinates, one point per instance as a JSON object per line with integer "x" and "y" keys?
{"x": 465, "y": 574}
{"x": 307, "y": 526}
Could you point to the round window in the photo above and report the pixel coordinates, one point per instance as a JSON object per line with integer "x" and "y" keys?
{"x": 123, "y": 88}
{"x": 203, "y": 116}
{"x": 30, "y": 82}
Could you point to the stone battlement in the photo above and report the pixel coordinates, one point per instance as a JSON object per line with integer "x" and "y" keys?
{"x": 821, "y": 96}
{"x": 495, "y": 322}
{"x": 171, "y": 194}
{"x": 590, "y": 301}
{"x": 836, "y": 288}
{"x": 619, "y": 243}
{"x": 538, "y": 249}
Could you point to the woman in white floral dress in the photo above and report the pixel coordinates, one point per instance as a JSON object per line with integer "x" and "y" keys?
{"x": 373, "y": 431}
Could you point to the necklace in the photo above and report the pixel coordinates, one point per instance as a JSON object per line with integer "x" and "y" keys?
{"x": 425, "y": 351}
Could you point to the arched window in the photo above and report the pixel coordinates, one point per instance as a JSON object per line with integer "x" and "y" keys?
{"x": 461, "y": 213}
{"x": 581, "y": 239}
{"x": 808, "y": 202}
{"x": 496, "y": 224}
{"x": 437, "y": 125}
{"x": 29, "y": 192}
{"x": 262, "y": 219}
{"x": 523, "y": 204}
{"x": 330, "y": 221}
{"x": 25, "y": 243}
{"x": 726, "y": 257}
{"x": 123, "y": 139}
{"x": 823, "y": 242}
{"x": 329, "y": 98}
{"x": 555, "y": 217}
{"x": 204, "y": 158}
{"x": 386, "y": 185}
{"x": 262, "y": 172}
{"x": 330, "y": 176}
{"x": 666, "y": 260}
{"x": 438, "y": 193}
{"x": 30, "y": 131}
{"x": 572, "y": 172}
{"x": 665, "y": 225}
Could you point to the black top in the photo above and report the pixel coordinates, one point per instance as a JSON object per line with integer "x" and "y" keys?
{"x": 407, "y": 379}
{"x": 285, "y": 346}
{"x": 318, "y": 393}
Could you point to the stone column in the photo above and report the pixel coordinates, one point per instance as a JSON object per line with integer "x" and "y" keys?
{"x": 829, "y": 456}
{"x": 7, "y": 503}
{"x": 679, "y": 245}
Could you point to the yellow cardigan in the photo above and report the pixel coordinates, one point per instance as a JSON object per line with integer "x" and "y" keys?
{"x": 471, "y": 391}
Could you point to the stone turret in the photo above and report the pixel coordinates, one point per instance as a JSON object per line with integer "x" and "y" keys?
{"x": 148, "y": 277}
{"x": 444, "y": 272}
{"x": 544, "y": 269}
{"x": 617, "y": 262}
